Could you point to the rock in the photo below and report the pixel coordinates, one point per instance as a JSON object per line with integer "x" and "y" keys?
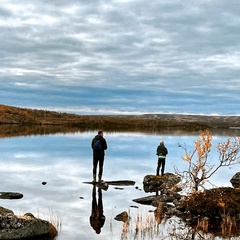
{"x": 122, "y": 217}
{"x": 153, "y": 183}
{"x": 5, "y": 211}
{"x": 145, "y": 200}
{"x": 102, "y": 185}
{"x": 26, "y": 226}
{"x": 121, "y": 183}
{"x": 235, "y": 181}
{"x": 154, "y": 200}
{"x": 11, "y": 195}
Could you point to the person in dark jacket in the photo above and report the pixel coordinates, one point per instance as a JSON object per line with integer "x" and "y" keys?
{"x": 99, "y": 145}
{"x": 161, "y": 153}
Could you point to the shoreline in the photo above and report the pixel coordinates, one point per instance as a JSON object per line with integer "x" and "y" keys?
{"x": 10, "y": 115}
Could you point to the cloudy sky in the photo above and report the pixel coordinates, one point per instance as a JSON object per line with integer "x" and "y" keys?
{"x": 121, "y": 56}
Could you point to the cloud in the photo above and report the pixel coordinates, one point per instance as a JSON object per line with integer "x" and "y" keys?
{"x": 160, "y": 45}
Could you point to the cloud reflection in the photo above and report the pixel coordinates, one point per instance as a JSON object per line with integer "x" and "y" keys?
{"x": 64, "y": 161}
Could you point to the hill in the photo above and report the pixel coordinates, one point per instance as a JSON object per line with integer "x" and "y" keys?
{"x": 32, "y": 117}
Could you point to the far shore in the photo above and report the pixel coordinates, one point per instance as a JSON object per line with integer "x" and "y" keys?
{"x": 23, "y": 118}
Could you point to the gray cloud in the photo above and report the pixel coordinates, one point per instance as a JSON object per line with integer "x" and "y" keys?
{"x": 172, "y": 45}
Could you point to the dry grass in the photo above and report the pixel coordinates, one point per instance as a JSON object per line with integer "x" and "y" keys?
{"x": 151, "y": 122}
{"x": 149, "y": 225}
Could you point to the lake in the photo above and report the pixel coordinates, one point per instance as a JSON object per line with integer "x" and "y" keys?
{"x": 64, "y": 162}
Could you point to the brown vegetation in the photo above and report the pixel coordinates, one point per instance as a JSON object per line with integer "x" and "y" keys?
{"x": 217, "y": 210}
{"x": 16, "y": 115}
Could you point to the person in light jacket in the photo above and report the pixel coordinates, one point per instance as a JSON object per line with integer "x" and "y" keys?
{"x": 161, "y": 153}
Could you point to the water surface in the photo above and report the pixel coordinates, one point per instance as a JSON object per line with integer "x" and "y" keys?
{"x": 64, "y": 161}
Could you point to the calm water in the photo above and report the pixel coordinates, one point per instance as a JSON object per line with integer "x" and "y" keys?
{"x": 64, "y": 161}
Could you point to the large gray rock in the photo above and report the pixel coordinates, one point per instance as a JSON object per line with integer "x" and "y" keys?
{"x": 235, "y": 181}
{"x": 165, "y": 183}
{"x": 26, "y": 226}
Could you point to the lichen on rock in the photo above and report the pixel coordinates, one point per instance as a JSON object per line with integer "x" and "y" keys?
{"x": 26, "y": 226}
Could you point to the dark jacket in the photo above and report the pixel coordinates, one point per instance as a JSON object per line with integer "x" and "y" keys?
{"x": 162, "y": 150}
{"x": 102, "y": 140}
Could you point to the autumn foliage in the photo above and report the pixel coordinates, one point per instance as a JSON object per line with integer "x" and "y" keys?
{"x": 199, "y": 169}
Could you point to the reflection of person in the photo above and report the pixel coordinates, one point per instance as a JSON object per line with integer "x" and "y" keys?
{"x": 162, "y": 153}
{"x": 97, "y": 219}
{"x": 98, "y": 155}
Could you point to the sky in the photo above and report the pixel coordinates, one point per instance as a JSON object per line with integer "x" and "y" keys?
{"x": 121, "y": 56}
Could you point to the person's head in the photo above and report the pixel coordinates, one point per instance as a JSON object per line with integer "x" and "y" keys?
{"x": 100, "y": 132}
{"x": 98, "y": 230}
{"x": 161, "y": 143}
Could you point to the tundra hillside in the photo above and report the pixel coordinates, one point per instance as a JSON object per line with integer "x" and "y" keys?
{"x": 23, "y": 116}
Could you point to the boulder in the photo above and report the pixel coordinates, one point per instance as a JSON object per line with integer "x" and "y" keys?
{"x": 11, "y": 195}
{"x": 165, "y": 183}
{"x": 122, "y": 217}
{"x": 26, "y": 226}
{"x": 235, "y": 180}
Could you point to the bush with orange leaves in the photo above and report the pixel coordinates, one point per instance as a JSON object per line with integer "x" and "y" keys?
{"x": 199, "y": 169}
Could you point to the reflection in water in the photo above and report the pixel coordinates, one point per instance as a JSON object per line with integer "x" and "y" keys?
{"x": 64, "y": 162}
{"x": 97, "y": 219}
{"x": 144, "y": 226}
{"x": 15, "y": 130}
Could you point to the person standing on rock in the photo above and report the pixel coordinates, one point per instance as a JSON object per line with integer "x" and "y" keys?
{"x": 161, "y": 153}
{"x": 99, "y": 145}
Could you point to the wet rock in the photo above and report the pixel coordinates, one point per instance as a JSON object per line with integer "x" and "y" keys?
{"x": 122, "y": 217}
{"x": 102, "y": 185}
{"x": 169, "y": 181}
{"x": 26, "y": 226}
{"x": 155, "y": 199}
{"x": 235, "y": 181}
{"x": 11, "y": 195}
{"x": 145, "y": 200}
{"x": 121, "y": 183}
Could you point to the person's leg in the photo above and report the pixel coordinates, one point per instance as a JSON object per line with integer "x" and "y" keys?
{"x": 158, "y": 167}
{"x": 163, "y": 166}
{"x": 95, "y": 163}
{"x": 101, "y": 161}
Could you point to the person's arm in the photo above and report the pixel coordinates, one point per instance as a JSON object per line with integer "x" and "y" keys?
{"x": 166, "y": 151}
{"x": 157, "y": 152}
{"x": 104, "y": 144}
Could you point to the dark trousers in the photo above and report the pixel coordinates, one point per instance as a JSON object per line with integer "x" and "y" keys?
{"x": 98, "y": 160}
{"x": 161, "y": 163}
